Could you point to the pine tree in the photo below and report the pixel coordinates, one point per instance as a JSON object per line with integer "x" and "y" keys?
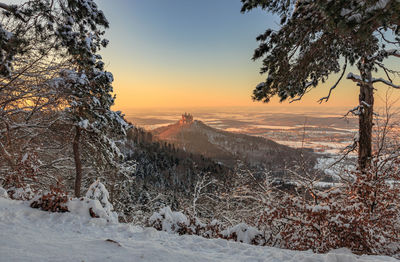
{"x": 319, "y": 38}
{"x": 72, "y": 32}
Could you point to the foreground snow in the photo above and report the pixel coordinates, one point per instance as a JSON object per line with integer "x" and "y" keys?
{"x": 28, "y": 234}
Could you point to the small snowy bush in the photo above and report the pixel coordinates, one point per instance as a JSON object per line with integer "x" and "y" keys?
{"x": 20, "y": 182}
{"x": 177, "y": 222}
{"x": 94, "y": 205}
{"x": 21, "y": 193}
{"x": 168, "y": 220}
{"x": 245, "y": 234}
{"x": 361, "y": 215}
{"x": 53, "y": 201}
{"x": 104, "y": 209}
{"x": 3, "y": 193}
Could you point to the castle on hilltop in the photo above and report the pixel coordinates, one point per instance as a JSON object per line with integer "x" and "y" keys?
{"x": 186, "y": 119}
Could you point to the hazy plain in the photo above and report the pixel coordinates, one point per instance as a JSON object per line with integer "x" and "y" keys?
{"x": 326, "y": 131}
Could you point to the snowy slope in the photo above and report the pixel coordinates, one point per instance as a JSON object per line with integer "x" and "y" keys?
{"x": 28, "y": 234}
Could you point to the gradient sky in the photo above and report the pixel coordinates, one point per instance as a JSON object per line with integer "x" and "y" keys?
{"x": 190, "y": 53}
{"x": 183, "y": 53}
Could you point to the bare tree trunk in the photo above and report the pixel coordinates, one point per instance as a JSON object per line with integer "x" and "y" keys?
{"x": 78, "y": 163}
{"x": 366, "y": 100}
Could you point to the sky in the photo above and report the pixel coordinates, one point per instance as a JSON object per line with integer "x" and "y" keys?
{"x": 190, "y": 53}
{"x": 183, "y": 53}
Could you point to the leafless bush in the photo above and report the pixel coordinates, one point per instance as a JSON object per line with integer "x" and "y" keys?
{"x": 360, "y": 211}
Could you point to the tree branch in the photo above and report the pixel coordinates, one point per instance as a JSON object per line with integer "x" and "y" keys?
{"x": 306, "y": 90}
{"x": 393, "y": 52}
{"x": 354, "y": 78}
{"x": 384, "y": 81}
{"x": 384, "y": 38}
{"x": 385, "y": 70}
{"x": 326, "y": 98}
{"x": 4, "y": 6}
{"x": 11, "y": 8}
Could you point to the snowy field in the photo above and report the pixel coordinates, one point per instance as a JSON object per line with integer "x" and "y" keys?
{"x": 28, "y": 234}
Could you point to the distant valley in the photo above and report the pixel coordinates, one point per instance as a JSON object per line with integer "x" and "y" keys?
{"x": 326, "y": 132}
{"x": 227, "y": 148}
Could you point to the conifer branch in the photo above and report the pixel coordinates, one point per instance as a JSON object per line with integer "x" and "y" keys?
{"x": 326, "y": 98}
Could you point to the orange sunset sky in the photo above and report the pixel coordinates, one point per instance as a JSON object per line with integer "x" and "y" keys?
{"x": 195, "y": 54}
{"x": 188, "y": 53}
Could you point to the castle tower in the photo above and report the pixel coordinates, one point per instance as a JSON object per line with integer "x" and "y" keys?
{"x": 186, "y": 119}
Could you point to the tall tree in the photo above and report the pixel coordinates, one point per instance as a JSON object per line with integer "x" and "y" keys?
{"x": 72, "y": 31}
{"x": 319, "y": 38}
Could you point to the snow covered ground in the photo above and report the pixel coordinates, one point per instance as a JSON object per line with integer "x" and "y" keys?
{"x": 28, "y": 234}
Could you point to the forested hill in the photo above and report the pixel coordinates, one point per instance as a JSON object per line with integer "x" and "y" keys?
{"x": 163, "y": 165}
{"x": 227, "y": 148}
{"x": 168, "y": 171}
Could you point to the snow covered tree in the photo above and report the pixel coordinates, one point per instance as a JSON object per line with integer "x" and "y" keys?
{"x": 319, "y": 38}
{"x": 65, "y": 36}
{"x": 97, "y": 191}
{"x": 29, "y": 103}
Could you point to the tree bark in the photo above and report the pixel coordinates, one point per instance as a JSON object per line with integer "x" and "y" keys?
{"x": 78, "y": 163}
{"x": 366, "y": 99}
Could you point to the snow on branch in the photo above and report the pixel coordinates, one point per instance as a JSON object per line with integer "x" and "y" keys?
{"x": 354, "y": 78}
{"x": 356, "y": 111}
{"x": 386, "y": 82}
{"x": 358, "y": 79}
{"x": 379, "y": 56}
{"x": 4, "y": 6}
{"x": 393, "y": 52}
